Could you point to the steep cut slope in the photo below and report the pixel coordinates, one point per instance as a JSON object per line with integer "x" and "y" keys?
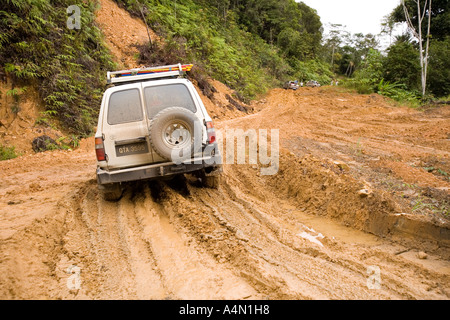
{"x": 122, "y": 33}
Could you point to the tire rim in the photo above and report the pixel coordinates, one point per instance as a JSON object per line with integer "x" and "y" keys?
{"x": 177, "y": 134}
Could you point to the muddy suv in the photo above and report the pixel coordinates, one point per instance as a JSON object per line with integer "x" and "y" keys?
{"x": 313, "y": 83}
{"x": 291, "y": 85}
{"x": 153, "y": 125}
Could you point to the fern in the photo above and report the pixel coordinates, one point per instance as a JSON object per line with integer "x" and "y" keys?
{"x": 35, "y": 44}
{"x": 398, "y": 92}
{"x": 19, "y": 4}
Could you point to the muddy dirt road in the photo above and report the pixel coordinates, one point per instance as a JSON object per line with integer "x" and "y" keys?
{"x": 358, "y": 209}
{"x": 304, "y": 233}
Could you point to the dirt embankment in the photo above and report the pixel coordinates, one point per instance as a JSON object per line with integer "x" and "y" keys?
{"x": 355, "y": 191}
{"x": 22, "y": 118}
{"x": 397, "y": 155}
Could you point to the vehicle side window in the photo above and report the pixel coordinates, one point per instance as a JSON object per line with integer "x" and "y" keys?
{"x": 125, "y": 106}
{"x": 158, "y": 98}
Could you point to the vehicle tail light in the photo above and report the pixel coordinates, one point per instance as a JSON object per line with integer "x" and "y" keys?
{"x": 211, "y": 132}
{"x": 100, "y": 149}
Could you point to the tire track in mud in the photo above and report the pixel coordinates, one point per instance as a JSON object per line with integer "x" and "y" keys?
{"x": 189, "y": 273}
{"x": 291, "y": 266}
{"x": 97, "y": 240}
{"x": 140, "y": 257}
{"x": 133, "y": 250}
{"x": 176, "y": 240}
{"x": 92, "y": 242}
{"x": 295, "y": 270}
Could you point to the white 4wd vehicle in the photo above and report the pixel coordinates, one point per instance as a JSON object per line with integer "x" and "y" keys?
{"x": 152, "y": 124}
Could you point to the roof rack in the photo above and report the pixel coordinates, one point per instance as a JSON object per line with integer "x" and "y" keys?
{"x": 147, "y": 73}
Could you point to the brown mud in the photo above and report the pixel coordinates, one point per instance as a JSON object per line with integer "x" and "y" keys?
{"x": 361, "y": 183}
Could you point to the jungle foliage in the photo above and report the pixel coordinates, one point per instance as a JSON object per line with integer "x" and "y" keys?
{"x": 67, "y": 65}
{"x": 250, "y": 45}
{"x": 397, "y": 71}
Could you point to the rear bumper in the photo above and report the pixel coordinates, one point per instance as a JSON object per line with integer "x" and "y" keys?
{"x": 159, "y": 170}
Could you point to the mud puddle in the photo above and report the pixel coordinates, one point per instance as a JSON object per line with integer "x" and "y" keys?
{"x": 333, "y": 230}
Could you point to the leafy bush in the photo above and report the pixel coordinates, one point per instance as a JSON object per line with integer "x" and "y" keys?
{"x": 370, "y": 79}
{"x": 311, "y": 70}
{"x": 398, "y": 92}
{"x": 439, "y": 73}
{"x": 401, "y": 64}
{"x": 210, "y": 35}
{"x": 361, "y": 85}
{"x": 7, "y": 153}
{"x": 67, "y": 65}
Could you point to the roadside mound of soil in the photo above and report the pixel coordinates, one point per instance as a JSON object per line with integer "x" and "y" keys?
{"x": 122, "y": 33}
{"x": 361, "y": 160}
{"x": 324, "y": 187}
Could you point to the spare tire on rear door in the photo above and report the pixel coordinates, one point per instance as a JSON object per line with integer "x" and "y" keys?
{"x": 175, "y": 134}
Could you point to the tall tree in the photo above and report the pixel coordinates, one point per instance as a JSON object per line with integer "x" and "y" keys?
{"x": 421, "y": 13}
{"x": 336, "y": 38}
{"x": 440, "y": 17}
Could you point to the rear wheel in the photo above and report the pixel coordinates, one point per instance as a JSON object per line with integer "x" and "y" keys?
{"x": 209, "y": 180}
{"x": 112, "y": 192}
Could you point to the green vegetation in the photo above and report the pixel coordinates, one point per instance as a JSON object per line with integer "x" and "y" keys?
{"x": 421, "y": 205}
{"x": 15, "y": 93}
{"x": 67, "y": 65}
{"x": 371, "y": 78}
{"x": 249, "y": 45}
{"x": 397, "y": 73}
{"x": 7, "y": 153}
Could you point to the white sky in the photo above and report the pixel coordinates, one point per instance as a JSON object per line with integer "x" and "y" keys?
{"x": 358, "y": 15}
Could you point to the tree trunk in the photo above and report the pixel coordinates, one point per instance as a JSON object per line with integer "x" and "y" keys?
{"x": 418, "y": 35}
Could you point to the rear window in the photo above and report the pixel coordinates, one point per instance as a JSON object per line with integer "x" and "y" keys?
{"x": 125, "y": 106}
{"x": 158, "y": 98}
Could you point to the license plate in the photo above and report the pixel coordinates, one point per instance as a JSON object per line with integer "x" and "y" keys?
{"x": 132, "y": 148}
